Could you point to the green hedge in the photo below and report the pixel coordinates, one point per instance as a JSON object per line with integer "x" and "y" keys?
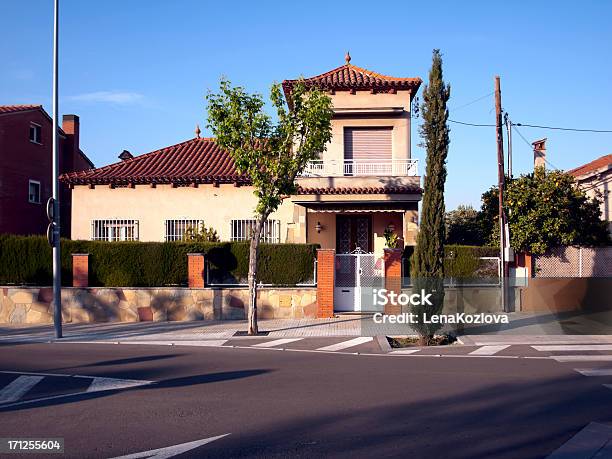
{"x": 461, "y": 261}
{"x": 27, "y": 260}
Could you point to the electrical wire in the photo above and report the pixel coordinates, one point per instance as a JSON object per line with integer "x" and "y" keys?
{"x": 471, "y": 124}
{"x": 530, "y": 145}
{"x": 472, "y": 102}
{"x": 562, "y": 129}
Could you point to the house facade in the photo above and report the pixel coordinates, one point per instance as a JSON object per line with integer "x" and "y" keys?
{"x": 595, "y": 178}
{"x": 26, "y": 167}
{"x": 364, "y": 183}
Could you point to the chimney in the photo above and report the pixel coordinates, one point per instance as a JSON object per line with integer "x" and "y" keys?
{"x": 125, "y": 155}
{"x": 70, "y": 147}
{"x": 539, "y": 153}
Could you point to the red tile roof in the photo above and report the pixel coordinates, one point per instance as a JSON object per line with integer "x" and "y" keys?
{"x": 349, "y": 76}
{"x": 592, "y": 166}
{"x": 17, "y": 108}
{"x": 362, "y": 190}
{"x": 198, "y": 160}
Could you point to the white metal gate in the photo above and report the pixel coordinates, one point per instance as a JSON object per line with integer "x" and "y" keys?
{"x": 357, "y": 274}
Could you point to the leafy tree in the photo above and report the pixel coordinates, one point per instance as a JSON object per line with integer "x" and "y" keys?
{"x": 427, "y": 270}
{"x": 201, "y": 234}
{"x": 545, "y": 209}
{"x": 463, "y": 226}
{"x": 271, "y": 153}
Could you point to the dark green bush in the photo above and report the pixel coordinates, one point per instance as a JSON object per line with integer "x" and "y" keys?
{"x": 27, "y": 260}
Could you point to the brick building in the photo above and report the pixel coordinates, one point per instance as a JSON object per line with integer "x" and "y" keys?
{"x": 26, "y": 167}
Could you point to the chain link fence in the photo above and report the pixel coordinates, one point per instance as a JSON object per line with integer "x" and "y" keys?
{"x": 575, "y": 262}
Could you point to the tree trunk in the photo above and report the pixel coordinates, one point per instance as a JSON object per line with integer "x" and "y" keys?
{"x": 253, "y": 255}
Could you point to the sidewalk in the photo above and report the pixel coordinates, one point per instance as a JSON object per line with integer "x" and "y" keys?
{"x": 523, "y": 329}
{"x": 345, "y": 325}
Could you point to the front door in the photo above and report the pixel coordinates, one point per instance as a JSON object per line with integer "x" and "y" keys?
{"x": 353, "y": 232}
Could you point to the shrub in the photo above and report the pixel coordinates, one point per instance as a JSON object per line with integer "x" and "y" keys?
{"x": 27, "y": 260}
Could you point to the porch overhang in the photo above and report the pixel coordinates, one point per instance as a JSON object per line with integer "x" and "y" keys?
{"x": 360, "y": 208}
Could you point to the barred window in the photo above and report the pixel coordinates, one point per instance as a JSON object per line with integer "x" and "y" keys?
{"x": 114, "y": 230}
{"x": 241, "y": 230}
{"x": 175, "y": 229}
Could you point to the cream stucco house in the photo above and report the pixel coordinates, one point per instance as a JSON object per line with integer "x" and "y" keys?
{"x": 366, "y": 180}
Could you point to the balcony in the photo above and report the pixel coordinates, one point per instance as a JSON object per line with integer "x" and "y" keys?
{"x": 361, "y": 168}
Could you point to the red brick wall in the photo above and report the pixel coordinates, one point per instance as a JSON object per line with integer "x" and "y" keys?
{"x": 195, "y": 270}
{"x": 393, "y": 277}
{"x": 80, "y": 270}
{"x": 22, "y": 160}
{"x": 326, "y": 264}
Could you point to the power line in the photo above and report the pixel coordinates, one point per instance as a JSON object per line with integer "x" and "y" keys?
{"x": 562, "y": 129}
{"x": 472, "y": 102}
{"x": 471, "y": 124}
{"x": 530, "y": 145}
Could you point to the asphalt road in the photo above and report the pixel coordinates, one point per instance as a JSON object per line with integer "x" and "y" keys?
{"x": 297, "y": 404}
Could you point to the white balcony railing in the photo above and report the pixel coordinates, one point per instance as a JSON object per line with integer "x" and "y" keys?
{"x": 361, "y": 167}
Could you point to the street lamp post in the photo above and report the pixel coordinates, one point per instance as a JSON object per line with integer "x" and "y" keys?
{"x": 54, "y": 209}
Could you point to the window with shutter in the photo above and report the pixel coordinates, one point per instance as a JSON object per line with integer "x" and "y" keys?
{"x": 368, "y": 144}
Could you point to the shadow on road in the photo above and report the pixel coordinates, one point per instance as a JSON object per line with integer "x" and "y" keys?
{"x": 164, "y": 384}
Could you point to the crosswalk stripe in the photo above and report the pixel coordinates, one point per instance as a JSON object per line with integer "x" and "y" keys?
{"x": 405, "y": 351}
{"x": 18, "y": 388}
{"x": 100, "y": 384}
{"x": 277, "y": 342}
{"x": 573, "y": 347}
{"x": 582, "y": 358}
{"x": 347, "y": 344}
{"x": 489, "y": 350}
{"x": 594, "y": 371}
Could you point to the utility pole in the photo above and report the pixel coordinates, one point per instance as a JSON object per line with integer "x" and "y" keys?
{"x": 501, "y": 179}
{"x": 509, "y": 131}
{"x": 54, "y": 208}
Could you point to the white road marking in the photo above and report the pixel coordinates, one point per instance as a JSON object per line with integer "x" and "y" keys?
{"x": 404, "y": 351}
{"x": 574, "y": 347}
{"x": 99, "y": 384}
{"x": 582, "y": 358}
{"x": 594, "y": 371}
{"x": 171, "y": 451}
{"x": 489, "y": 350}
{"x": 204, "y": 343}
{"x": 18, "y": 388}
{"x": 346, "y": 344}
{"x": 586, "y": 443}
{"x": 277, "y": 342}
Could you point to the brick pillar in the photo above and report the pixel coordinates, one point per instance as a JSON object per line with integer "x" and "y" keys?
{"x": 326, "y": 270}
{"x": 393, "y": 277}
{"x": 80, "y": 270}
{"x": 195, "y": 270}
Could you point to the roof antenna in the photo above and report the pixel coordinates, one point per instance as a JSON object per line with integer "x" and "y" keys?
{"x": 197, "y": 131}
{"x": 347, "y": 58}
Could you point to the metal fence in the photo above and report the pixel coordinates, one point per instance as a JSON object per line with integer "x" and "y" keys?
{"x": 487, "y": 273}
{"x": 574, "y": 262}
{"x": 241, "y": 230}
{"x": 175, "y": 229}
{"x": 114, "y": 230}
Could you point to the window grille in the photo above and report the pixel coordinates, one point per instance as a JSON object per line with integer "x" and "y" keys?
{"x": 175, "y": 229}
{"x": 114, "y": 230}
{"x": 241, "y": 230}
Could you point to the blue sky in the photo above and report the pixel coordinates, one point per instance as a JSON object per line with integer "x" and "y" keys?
{"x": 137, "y": 71}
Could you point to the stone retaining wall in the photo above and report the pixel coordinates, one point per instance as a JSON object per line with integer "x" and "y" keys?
{"x": 32, "y": 305}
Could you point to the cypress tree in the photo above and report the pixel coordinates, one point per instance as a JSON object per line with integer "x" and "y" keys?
{"x": 427, "y": 270}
